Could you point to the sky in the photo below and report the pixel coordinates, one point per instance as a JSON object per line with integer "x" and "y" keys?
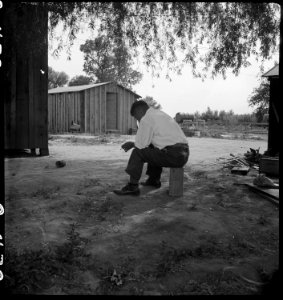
{"x": 184, "y": 93}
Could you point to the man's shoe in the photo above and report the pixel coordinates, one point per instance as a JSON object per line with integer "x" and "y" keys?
{"x": 150, "y": 182}
{"x": 129, "y": 189}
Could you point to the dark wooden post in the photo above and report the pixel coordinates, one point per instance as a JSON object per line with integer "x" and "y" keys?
{"x": 25, "y": 76}
{"x": 176, "y": 181}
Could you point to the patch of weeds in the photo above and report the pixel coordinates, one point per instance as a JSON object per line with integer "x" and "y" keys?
{"x": 170, "y": 257}
{"x": 74, "y": 248}
{"x": 12, "y": 194}
{"x": 109, "y": 207}
{"x": 91, "y": 182}
{"x": 26, "y": 213}
{"x": 262, "y": 220}
{"x": 193, "y": 206}
{"x": 73, "y": 139}
{"x": 113, "y": 277}
{"x": 198, "y": 174}
{"x": 35, "y": 270}
{"x": 104, "y": 139}
{"x": 110, "y": 280}
{"x": 238, "y": 246}
{"x": 29, "y": 271}
{"x": 87, "y": 207}
{"x": 208, "y": 249}
{"x": 46, "y": 193}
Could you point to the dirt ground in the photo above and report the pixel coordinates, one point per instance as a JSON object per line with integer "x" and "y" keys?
{"x": 67, "y": 233}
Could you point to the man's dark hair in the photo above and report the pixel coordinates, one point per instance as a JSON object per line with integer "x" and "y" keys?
{"x": 138, "y": 104}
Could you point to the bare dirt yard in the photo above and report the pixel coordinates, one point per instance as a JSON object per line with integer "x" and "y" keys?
{"x": 67, "y": 233}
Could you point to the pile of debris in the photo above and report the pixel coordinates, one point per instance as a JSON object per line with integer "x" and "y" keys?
{"x": 242, "y": 164}
{"x": 253, "y": 156}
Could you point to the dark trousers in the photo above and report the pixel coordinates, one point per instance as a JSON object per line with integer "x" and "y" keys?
{"x": 175, "y": 156}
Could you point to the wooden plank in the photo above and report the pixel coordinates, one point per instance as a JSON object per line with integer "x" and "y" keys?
{"x": 50, "y": 113}
{"x": 22, "y": 109}
{"x": 13, "y": 106}
{"x": 119, "y": 109}
{"x": 31, "y": 104}
{"x": 49, "y": 117}
{"x": 69, "y": 110}
{"x": 63, "y": 111}
{"x": 240, "y": 170}
{"x": 82, "y": 112}
{"x": 75, "y": 108}
{"x": 53, "y": 113}
{"x": 128, "y": 113}
{"x": 60, "y": 113}
{"x": 87, "y": 111}
{"x": 97, "y": 110}
{"x": 176, "y": 181}
{"x": 103, "y": 108}
{"x": 44, "y": 87}
{"x": 78, "y": 107}
{"x": 66, "y": 113}
{"x": 92, "y": 111}
{"x": 57, "y": 114}
{"x": 111, "y": 111}
{"x": 56, "y": 105}
{"x": 71, "y": 95}
{"x": 67, "y": 124}
{"x": 99, "y": 104}
{"x": 270, "y": 194}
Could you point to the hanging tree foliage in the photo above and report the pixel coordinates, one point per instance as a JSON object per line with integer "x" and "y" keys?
{"x": 210, "y": 36}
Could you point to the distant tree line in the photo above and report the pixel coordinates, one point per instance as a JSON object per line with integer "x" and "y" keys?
{"x": 217, "y": 116}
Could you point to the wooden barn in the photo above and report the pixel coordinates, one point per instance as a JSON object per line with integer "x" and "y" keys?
{"x": 97, "y": 108}
{"x": 273, "y": 126}
{"x": 24, "y": 76}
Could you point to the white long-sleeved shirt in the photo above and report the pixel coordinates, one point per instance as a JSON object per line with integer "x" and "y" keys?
{"x": 159, "y": 129}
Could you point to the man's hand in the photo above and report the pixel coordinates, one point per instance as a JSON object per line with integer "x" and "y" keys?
{"x": 127, "y": 146}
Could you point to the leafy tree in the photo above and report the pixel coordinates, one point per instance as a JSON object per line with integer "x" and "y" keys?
{"x": 212, "y": 36}
{"x": 80, "y": 80}
{"x": 151, "y": 102}
{"x": 56, "y": 79}
{"x": 208, "y": 115}
{"x": 109, "y": 62}
{"x": 260, "y": 100}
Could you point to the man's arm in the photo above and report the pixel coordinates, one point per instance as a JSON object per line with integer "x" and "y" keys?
{"x": 127, "y": 146}
{"x": 143, "y": 137}
{"x": 144, "y": 134}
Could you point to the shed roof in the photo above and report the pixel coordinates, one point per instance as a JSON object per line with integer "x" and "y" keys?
{"x": 274, "y": 72}
{"x": 79, "y": 88}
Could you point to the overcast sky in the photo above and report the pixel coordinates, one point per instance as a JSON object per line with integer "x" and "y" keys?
{"x": 184, "y": 93}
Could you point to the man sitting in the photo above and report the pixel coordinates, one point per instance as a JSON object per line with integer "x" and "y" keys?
{"x": 160, "y": 142}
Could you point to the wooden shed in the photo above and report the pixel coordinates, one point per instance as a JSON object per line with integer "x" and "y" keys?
{"x": 24, "y": 73}
{"x": 97, "y": 108}
{"x": 273, "y": 126}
